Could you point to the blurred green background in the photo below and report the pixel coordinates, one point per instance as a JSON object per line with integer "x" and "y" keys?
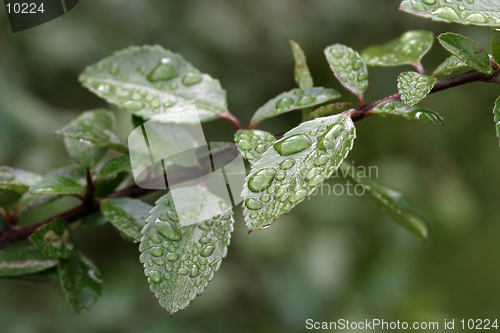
{"x": 332, "y": 257}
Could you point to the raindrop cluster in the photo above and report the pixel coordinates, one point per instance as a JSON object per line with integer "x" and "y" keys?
{"x": 413, "y": 87}
{"x": 348, "y": 67}
{"x": 253, "y": 143}
{"x": 417, "y": 112}
{"x": 180, "y": 261}
{"x": 294, "y": 167}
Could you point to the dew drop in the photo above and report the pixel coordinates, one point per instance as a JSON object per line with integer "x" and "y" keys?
{"x": 114, "y": 68}
{"x": 132, "y": 105}
{"x": 205, "y": 240}
{"x": 476, "y": 18}
{"x": 166, "y": 229}
{"x": 191, "y": 78}
{"x": 158, "y": 261}
{"x": 164, "y": 71}
{"x": 253, "y": 204}
{"x": 244, "y": 144}
{"x": 265, "y": 197}
{"x": 261, "y": 148}
{"x": 287, "y": 164}
{"x": 270, "y": 138}
{"x": 183, "y": 271}
{"x": 352, "y": 76}
{"x": 206, "y": 252}
{"x": 293, "y": 144}
{"x": 298, "y": 195}
{"x": 429, "y": 2}
{"x": 261, "y": 180}
{"x": 172, "y": 256}
{"x": 337, "y": 53}
{"x": 321, "y": 160}
{"x": 362, "y": 76}
{"x": 156, "y": 251}
{"x": 194, "y": 270}
{"x": 304, "y": 100}
{"x": 447, "y": 13}
{"x": 155, "y": 238}
{"x": 155, "y": 276}
{"x": 298, "y": 92}
{"x": 173, "y": 216}
{"x": 284, "y": 103}
{"x": 280, "y": 175}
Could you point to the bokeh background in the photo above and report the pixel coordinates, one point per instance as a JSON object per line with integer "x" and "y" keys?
{"x": 331, "y": 258}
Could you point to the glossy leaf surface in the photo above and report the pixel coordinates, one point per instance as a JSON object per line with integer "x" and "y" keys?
{"x": 467, "y": 50}
{"x": 94, "y": 127}
{"x": 180, "y": 261}
{"x": 253, "y": 143}
{"x": 328, "y": 110}
{"x": 348, "y": 67}
{"x": 476, "y": 12}
{"x": 450, "y": 65}
{"x": 390, "y": 201}
{"x": 413, "y": 87}
{"x": 416, "y": 112}
{"x": 301, "y": 72}
{"x": 57, "y": 185}
{"x": 23, "y": 260}
{"x": 14, "y": 183}
{"x": 296, "y": 164}
{"x": 115, "y": 166}
{"x": 148, "y": 81}
{"x": 127, "y": 215}
{"x": 55, "y": 239}
{"x": 294, "y": 100}
{"x": 408, "y": 49}
{"x": 80, "y": 281}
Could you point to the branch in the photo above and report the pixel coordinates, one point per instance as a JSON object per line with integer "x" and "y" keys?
{"x": 12, "y": 233}
{"x": 464, "y": 78}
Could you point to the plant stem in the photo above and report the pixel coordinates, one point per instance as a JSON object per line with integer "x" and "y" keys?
{"x": 232, "y": 119}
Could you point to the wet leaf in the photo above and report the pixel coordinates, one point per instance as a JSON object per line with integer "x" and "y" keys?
{"x": 390, "y": 201}
{"x": 93, "y": 128}
{"x": 416, "y": 112}
{"x": 467, "y": 50}
{"x": 408, "y": 49}
{"x": 148, "y": 81}
{"x": 57, "y": 185}
{"x": 450, "y": 65}
{"x": 328, "y": 110}
{"x": 80, "y": 281}
{"x": 413, "y": 87}
{"x": 496, "y": 113}
{"x": 22, "y": 260}
{"x": 295, "y": 166}
{"x": 495, "y": 45}
{"x": 14, "y": 183}
{"x": 180, "y": 261}
{"x": 127, "y": 215}
{"x": 348, "y": 67}
{"x": 253, "y": 143}
{"x": 55, "y": 239}
{"x": 301, "y": 73}
{"x": 294, "y": 100}
{"x": 115, "y": 166}
{"x": 476, "y": 12}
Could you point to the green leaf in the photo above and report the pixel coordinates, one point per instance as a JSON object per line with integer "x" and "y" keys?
{"x": 450, "y": 65}
{"x": 180, "y": 261}
{"x": 294, "y": 100}
{"x": 295, "y": 166}
{"x": 46, "y": 276}
{"x": 94, "y": 220}
{"x": 96, "y": 127}
{"x": 80, "y": 281}
{"x": 408, "y": 49}
{"x": 495, "y": 45}
{"x": 57, "y": 185}
{"x": 253, "y": 143}
{"x": 148, "y": 81}
{"x": 21, "y": 260}
{"x": 348, "y": 67}
{"x": 390, "y": 201}
{"x": 496, "y": 112}
{"x": 115, "y": 166}
{"x": 467, "y": 50}
{"x": 106, "y": 186}
{"x": 301, "y": 73}
{"x": 413, "y": 87}
{"x": 328, "y": 110}
{"x": 416, "y": 112}
{"x": 55, "y": 240}
{"x": 14, "y": 183}
{"x": 127, "y": 215}
{"x": 476, "y": 12}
